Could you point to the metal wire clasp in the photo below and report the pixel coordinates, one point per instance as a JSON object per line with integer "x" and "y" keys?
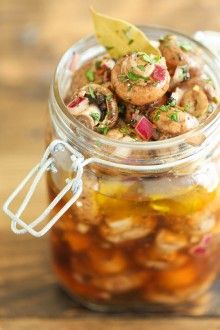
{"x": 47, "y": 163}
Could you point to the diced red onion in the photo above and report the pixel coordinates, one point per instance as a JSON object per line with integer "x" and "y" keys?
{"x": 206, "y": 239}
{"x": 198, "y": 250}
{"x": 159, "y": 73}
{"x": 144, "y": 128}
{"x": 201, "y": 248}
{"x": 78, "y": 105}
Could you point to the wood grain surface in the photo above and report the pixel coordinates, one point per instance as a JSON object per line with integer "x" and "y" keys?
{"x": 33, "y": 35}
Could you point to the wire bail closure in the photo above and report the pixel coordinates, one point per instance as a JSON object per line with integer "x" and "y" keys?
{"x": 47, "y": 163}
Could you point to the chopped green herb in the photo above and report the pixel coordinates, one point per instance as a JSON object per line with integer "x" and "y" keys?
{"x": 174, "y": 116}
{"x": 103, "y": 130}
{"x": 135, "y": 77}
{"x": 141, "y": 67}
{"x": 131, "y": 76}
{"x": 130, "y": 41}
{"x": 91, "y": 92}
{"x": 98, "y": 64}
{"x": 184, "y": 73}
{"x": 185, "y": 46}
{"x": 123, "y": 77}
{"x": 152, "y": 59}
{"x": 90, "y": 75}
{"x": 125, "y": 130}
{"x": 164, "y": 108}
{"x": 109, "y": 97}
{"x": 171, "y": 102}
{"x": 95, "y": 116}
{"x": 187, "y": 107}
{"x": 157, "y": 116}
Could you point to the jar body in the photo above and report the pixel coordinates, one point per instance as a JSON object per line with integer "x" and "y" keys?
{"x": 135, "y": 240}
{"x": 139, "y": 242}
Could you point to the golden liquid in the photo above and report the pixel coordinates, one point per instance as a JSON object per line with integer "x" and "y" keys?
{"x": 116, "y": 251}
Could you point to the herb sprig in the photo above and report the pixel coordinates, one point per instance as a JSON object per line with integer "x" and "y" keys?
{"x": 90, "y": 75}
{"x": 165, "y": 108}
{"x": 152, "y": 59}
{"x": 95, "y": 116}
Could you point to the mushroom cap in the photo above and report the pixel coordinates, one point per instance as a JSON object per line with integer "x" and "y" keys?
{"x": 138, "y": 94}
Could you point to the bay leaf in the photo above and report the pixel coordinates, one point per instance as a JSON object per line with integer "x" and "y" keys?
{"x": 120, "y": 37}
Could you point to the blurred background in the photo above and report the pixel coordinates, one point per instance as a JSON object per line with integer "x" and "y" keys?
{"x": 33, "y": 36}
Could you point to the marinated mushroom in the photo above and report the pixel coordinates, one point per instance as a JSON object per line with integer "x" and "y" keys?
{"x": 173, "y": 120}
{"x": 128, "y": 99}
{"x": 195, "y": 101}
{"x": 180, "y": 54}
{"x": 95, "y": 106}
{"x": 139, "y": 78}
{"x": 205, "y": 84}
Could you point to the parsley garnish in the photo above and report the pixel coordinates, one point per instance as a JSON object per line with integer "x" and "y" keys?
{"x": 152, "y": 59}
{"x": 184, "y": 73}
{"x": 91, "y": 92}
{"x": 171, "y": 102}
{"x": 141, "y": 67}
{"x": 174, "y": 116}
{"x": 165, "y": 108}
{"x": 135, "y": 77}
{"x": 103, "y": 130}
{"x": 130, "y": 41}
{"x": 109, "y": 97}
{"x": 185, "y": 46}
{"x": 125, "y": 130}
{"x": 123, "y": 77}
{"x": 95, "y": 116}
{"x": 90, "y": 75}
{"x": 132, "y": 76}
{"x": 157, "y": 115}
{"x": 186, "y": 107}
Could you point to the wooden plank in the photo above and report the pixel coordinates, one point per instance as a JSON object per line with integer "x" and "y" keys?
{"x": 110, "y": 323}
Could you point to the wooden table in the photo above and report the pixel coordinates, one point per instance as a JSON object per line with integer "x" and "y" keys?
{"x": 33, "y": 35}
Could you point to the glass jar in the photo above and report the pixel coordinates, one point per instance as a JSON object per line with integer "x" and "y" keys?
{"x": 144, "y": 235}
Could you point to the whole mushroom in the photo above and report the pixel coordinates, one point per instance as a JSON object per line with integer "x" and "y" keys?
{"x": 95, "y": 106}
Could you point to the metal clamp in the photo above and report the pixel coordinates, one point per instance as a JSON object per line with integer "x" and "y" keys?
{"x": 46, "y": 164}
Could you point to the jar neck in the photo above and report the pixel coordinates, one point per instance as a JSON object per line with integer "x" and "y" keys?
{"x": 157, "y": 156}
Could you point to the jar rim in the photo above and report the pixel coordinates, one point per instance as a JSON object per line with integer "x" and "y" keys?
{"x": 205, "y": 128}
